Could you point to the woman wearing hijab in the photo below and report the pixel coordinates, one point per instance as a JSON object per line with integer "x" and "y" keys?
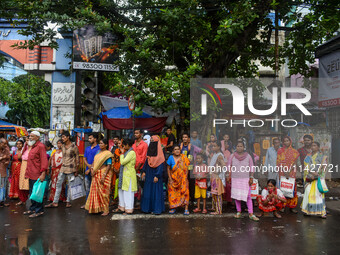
{"x": 152, "y": 172}
{"x": 286, "y": 159}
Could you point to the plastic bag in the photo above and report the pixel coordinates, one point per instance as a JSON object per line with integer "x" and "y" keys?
{"x": 77, "y": 188}
{"x": 38, "y": 191}
{"x": 287, "y": 186}
{"x": 2, "y": 194}
{"x": 254, "y": 189}
{"x": 322, "y": 187}
{"x": 116, "y": 189}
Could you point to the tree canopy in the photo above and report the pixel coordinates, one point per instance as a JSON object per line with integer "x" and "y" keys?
{"x": 162, "y": 44}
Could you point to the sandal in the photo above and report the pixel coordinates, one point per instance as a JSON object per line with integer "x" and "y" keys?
{"x": 34, "y": 215}
{"x": 51, "y": 205}
{"x": 277, "y": 215}
{"x": 238, "y": 215}
{"x": 253, "y": 218}
{"x": 19, "y": 203}
{"x": 214, "y": 213}
{"x": 324, "y": 217}
{"x": 117, "y": 211}
{"x": 27, "y": 212}
{"x": 186, "y": 212}
{"x": 68, "y": 205}
{"x": 172, "y": 211}
{"x": 105, "y": 214}
{"x": 204, "y": 211}
{"x": 196, "y": 210}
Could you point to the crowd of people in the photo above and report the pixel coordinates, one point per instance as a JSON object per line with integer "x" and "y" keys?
{"x": 145, "y": 173}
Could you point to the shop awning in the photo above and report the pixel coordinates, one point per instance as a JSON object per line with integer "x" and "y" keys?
{"x": 150, "y": 124}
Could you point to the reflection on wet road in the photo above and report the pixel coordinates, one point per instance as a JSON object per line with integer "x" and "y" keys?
{"x": 73, "y": 231}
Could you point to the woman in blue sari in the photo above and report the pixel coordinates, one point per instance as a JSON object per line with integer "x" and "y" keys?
{"x": 153, "y": 198}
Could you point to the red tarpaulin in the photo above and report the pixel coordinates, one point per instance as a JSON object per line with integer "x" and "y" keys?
{"x": 150, "y": 124}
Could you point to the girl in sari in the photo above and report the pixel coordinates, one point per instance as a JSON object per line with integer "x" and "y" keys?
{"x": 23, "y": 181}
{"x": 152, "y": 172}
{"x": 178, "y": 186}
{"x": 217, "y": 178}
{"x": 286, "y": 161}
{"x": 116, "y": 167}
{"x": 99, "y": 196}
{"x": 313, "y": 202}
{"x": 242, "y": 173}
{"x": 55, "y": 163}
{"x": 15, "y": 171}
{"x": 271, "y": 199}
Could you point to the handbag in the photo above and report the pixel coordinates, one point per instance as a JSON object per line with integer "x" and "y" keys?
{"x": 77, "y": 188}
{"x": 287, "y": 186}
{"x": 38, "y": 191}
{"x": 322, "y": 186}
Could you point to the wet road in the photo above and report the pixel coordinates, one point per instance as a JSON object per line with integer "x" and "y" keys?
{"x": 73, "y": 231}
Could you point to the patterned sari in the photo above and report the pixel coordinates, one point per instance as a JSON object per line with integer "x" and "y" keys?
{"x": 15, "y": 176}
{"x": 99, "y": 196}
{"x": 313, "y": 202}
{"x": 116, "y": 166}
{"x": 57, "y": 160}
{"x": 286, "y": 158}
{"x": 179, "y": 189}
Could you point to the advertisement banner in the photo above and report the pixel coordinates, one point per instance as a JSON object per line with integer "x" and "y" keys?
{"x": 329, "y": 83}
{"x": 94, "y": 51}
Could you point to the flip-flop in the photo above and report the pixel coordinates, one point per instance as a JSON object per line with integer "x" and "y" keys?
{"x": 172, "y": 211}
{"x": 254, "y": 218}
{"x": 28, "y": 212}
{"x": 196, "y": 210}
{"x": 68, "y": 205}
{"x": 204, "y": 211}
{"x": 238, "y": 215}
{"x": 186, "y": 212}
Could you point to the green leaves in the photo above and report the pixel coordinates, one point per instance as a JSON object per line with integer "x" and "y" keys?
{"x": 29, "y": 99}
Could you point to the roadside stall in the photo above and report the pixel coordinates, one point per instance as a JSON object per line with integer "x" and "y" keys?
{"x": 12, "y": 129}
